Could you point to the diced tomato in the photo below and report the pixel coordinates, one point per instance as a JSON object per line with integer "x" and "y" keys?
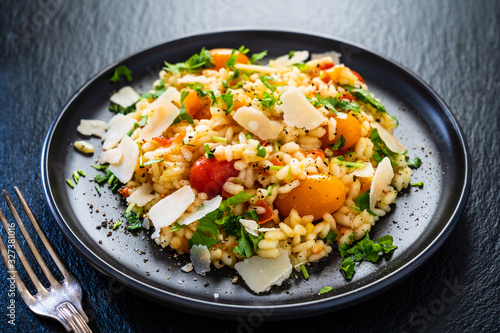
{"x": 221, "y": 56}
{"x": 268, "y": 215}
{"x": 275, "y": 161}
{"x": 124, "y": 191}
{"x": 209, "y": 175}
{"x": 316, "y": 153}
{"x": 179, "y": 137}
{"x": 195, "y": 107}
{"x": 358, "y": 76}
{"x": 163, "y": 141}
{"x": 326, "y": 65}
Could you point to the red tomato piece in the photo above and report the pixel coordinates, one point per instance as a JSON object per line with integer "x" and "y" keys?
{"x": 268, "y": 215}
{"x": 209, "y": 175}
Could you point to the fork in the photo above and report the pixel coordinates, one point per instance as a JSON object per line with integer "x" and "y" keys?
{"x": 62, "y": 300}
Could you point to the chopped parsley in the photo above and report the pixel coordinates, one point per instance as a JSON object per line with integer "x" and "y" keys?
{"x": 414, "y": 163}
{"x": 363, "y": 202}
{"x": 153, "y": 161}
{"x": 228, "y": 99}
{"x": 117, "y": 224}
{"x": 108, "y": 178}
{"x": 208, "y": 153}
{"x": 338, "y": 144}
{"x": 183, "y": 115}
{"x": 364, "y": 249}
{"x": 265, "y": 80}
{"x": 420, "y": 184}
{"x": 268, "y": 100}
{"x": 257, "y": 56}
{"x": 121, "y": 70}
{"x": 304, "y": 271}
{"x": 261, "y": 151}
{"x": 340, "y": 160}
{"x": 70, "y": 183}
{"x": 198, "y": 87}
{"x": 325, "y": 289}
{"x": 115, "y": 108}
{"x": 334, "y": 104}
{"x": 330, "y": 238}
{"x": 301, "y": 66}
{"x": 380, "y": 149}
{"x": 159, "y": 90}
{"x": 365, "y": 97}
{"x": 194, "y": 64}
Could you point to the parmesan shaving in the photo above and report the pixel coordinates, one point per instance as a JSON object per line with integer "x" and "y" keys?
{"x": 390, "y": 140}
{"x": 163, "y": 114}
{"x": 200, "y": 258}
{"x": 142, "y": 195}
{"x": 112, "y": 156}
{"x": 208, "y": 207}
{"x": 92, "y": 127}
{"x": 124, "y": 169}
{"x": 298, "y": 112}
{"x": 285, "y": 60}
{"x": 251, "y": 227}
{"x": 257, "y": 123}
{"x": 166, "y": 211}
{"x": 382, "y": 178}
{"x": 125, "y": 97}
{"x": 366, "y": 171}
{"x": 118, "y": 127}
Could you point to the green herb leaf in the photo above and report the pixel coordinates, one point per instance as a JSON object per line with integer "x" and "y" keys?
{"x": 261, "y": 151}
{"x": 257, "y": 56}
{"x": 413, "y": 163}
{"x": 206, "y": 234}
{"x": 380, "y": 148}
{"x": 199, "y": 88}
{"x": 420, "y": 184}
{"x": 182, "y": 112}
{"x": 339, "y": 143}
{"x": 153, "y": 161}
{"x": 133, "y": 222}
{"x": 265, "y": 80}
{"x": 304, "y": 271}
{"x": 70, "y": 183}
{"x": 228, "y": 99}
{"x": 301, "y": 66}
{"x": 117, "y": 224}
{"x": 208, "y": 152}
{"x": 115, "y": 108}
{"x": 386, "y": 242}
{"x": 325, "y": 289}
{"x": 347, "y": 266}
{"x": 330, "y": 238}
{"x": 365, "y": 97}
{"x": 231, "y": 61}
{"x": 363, "y": 202}
{"x": 194, "y": 64}
{"x": 121, "y": 70}
{"x": 268, "y": 99}
{"x": 243, "y": 50}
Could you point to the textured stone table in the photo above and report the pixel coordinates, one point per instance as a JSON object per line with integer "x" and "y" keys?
{"x": 49, "y": 48}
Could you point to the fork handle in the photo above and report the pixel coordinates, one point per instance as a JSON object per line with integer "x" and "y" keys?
{"x": 72, "y": 318}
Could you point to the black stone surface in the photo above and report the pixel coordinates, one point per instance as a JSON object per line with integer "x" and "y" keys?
{"x": 49, "y": 48}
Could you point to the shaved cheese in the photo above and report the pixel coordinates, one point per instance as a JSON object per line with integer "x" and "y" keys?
{"x": 268, "y": 229}
{"x": 298, "y": 112}
{"x": 335, "y": 56}
{"x": 257, "y": 68}
{"x": 125, "y": 97}
{"x": 257, "y": 123}
{"x": 142, "y": 195}
{"x": 112, "y": 156}
{"x": 118, "y": 127}
{"x": 382, "y": 178}
{"x": 163, "y": 114}
{"x": 262, "y": 273}
{"x": 390, "y": 140}
{"x": 207, "y": 207}
{"x": 92, "y": 127}
{"x": 251, "y": 227}
{"x": 187, "y": 268}
{"x": 367, "y": 171}
{"x": 166, "y": 211}
{"x": 200, "y": 258}
{"x": 285, "y": 60}
{"x": 188, "y": 78}
{"x": 124, "y": 169}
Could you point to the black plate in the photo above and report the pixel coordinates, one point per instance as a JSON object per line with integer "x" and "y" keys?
{"x": 420, "y": 221}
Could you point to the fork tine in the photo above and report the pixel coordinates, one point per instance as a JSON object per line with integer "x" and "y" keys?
{"x": 44, "y": 238}
{"x": 11, "y": 269}
{"x": 29, "y": 240}
{"x": 34, "y": 279}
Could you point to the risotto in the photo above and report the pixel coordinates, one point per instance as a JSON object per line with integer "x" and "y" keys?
{"x": 255, "y": 166}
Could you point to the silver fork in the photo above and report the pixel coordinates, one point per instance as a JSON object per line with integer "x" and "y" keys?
{"x": 62, "y": 300}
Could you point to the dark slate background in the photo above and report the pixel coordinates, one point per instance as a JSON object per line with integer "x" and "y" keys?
{"x": 49, "y": 48}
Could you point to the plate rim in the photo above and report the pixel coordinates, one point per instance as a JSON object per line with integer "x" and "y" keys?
{"x": 301, "y": 309}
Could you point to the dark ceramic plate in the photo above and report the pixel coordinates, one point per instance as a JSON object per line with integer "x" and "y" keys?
{"x": 420, "y": 221}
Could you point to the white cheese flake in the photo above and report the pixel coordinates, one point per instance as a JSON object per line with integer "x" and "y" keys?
{"x": 207, "y": 207}
{"x": 286, "y": 60}
{"x": 112, "y": 156}
{"x": 124, "y": 169}
{"x": 142, "y": 195}
{"x": 187, "y": 268}
{"x": 92, "y": 127}
{"x": 390, "y": 140}
{"x": 125, "y": 97}
{"x": 335, "y": 56}
{"x": 118, "y": 127}
{"x": 298, "y": 112}
{"x": 366, "y": 171}
{"x": 200, "y": 258}
{"x": 260, "y": 274}
{"x": 381, "y": 179}
{"x": 251, "y": 227}
{"x": 162, "y": 114}
{"x": 257, "y": 123}
{"x": 166, "y": 211}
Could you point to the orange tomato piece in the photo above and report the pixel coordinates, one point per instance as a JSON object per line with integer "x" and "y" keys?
{"x": 163, "y": 141}
{"x": 221, "y": 56}
{"x": 209, "y": 175}
{"x": 268, "y": 215}
{"x": 124, "y": 191}
{"x": 349, "y": 128}
{"x": 316, "y": 195}
{"x": 195, "y": 107}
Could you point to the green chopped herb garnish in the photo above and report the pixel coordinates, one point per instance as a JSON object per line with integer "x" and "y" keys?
{"x": 121, "y": 70}
{"x": 380, "y": 149}
{"x": 249, "y": 136}
{"x": 420, "y": 184}
{"x": 143, "y": 122}
{"x": 208, "y": 152}
{"x": 265, "y": 80}
{"x": 117, "y": 224}
{"x": 228, "y": 99}
{"x": 413, "y": 163}
{"x": 339, "y": 143}
{"x": 153, "y": 161}
{"x": 70, "y": 183}
{"x": 268, "y": 100}
{"x": 325, "y": 289}
{"x": 275, "y": 167}
{"x": 183, "y": 115}
{"x": 334, "y": 104}
{"x": 304, "y": 271}
{"x": 218, "y": 139}
{"x": 330, "y": 238}
{"x": 363, "y": 202}
{"x": 194, "y": 64}
{"x": 120, "y": 109}
{"x": 340, "y": 160}
{"x": 98, "y": 190}
{"x": 76, "y": 176}
{"x": 81, "y": 173}
{"x": 261, "y": 151}
{"x": 257, "y": 56}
